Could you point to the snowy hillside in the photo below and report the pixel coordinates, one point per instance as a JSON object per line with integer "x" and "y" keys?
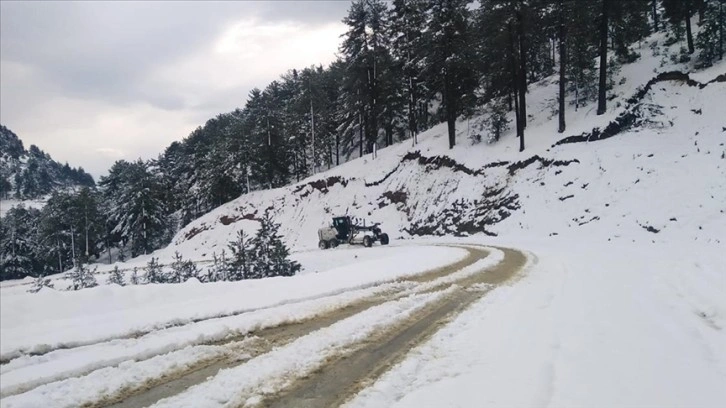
{"x": 605, "y": 189}
{"x": 587, "y": 270}
{"x": 28, "y": 176}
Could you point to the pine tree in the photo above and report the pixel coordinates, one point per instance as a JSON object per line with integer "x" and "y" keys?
{"x": 582, "y": 50}
{"x": 240, "y": 265}
{"x": 677, "y": 12}
{"x": 365, "y": 47}
{"x": 138, "y": 212}
{"x": 449, "y": 62}
{"x": 628, "y": 24}
{"x": 134, "y": 280}
{"x": 81, "y": 277}
{"x": 496, "y": 122}
{"x": 271, "y": 256}
{"x": 154, "y": 273}
{"x": 219, "y": 269}
{"x": 604, "y": 15}
{"x": 39, "y": 283}
{"x": 181, "y": 270}
{"x": 710, "y": 38}
{"x": 116, "y": 277}
{"x": 408, "y": 16}
{"x": 20, "y": 253}
{"x": 562, "y": 37}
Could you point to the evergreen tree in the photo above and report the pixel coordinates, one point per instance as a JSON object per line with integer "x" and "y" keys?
{"x": 219, "y": 269}
{"x": 134, "y": 280}
{"x": 562, "y": 37}
{"x": 240, "y": 265}
{"x": 604, "y": 15}
{"x": 271, "y": 256}
{"x": 81, "y": 277}
{"x": 408, "y": 16}
{"x": 116, "y": 277}
{"x": 181, "y": 270}
{"x": 449, "y": 62}
{"x": 710, "y": 38}
{"x": 19, "y": 244}
{"x": 680, "y": 11}
{"x": 39, "y": 283}
{"x": 582, "y": 41}
{"x": 154, "y": 273}
{"x": 138, "y": 213}
{"x": 365, "y": 48}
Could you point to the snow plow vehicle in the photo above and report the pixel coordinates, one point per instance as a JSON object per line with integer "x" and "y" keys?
{"x": 344, "y": 231}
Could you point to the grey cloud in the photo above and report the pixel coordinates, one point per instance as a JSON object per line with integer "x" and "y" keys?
{"x": 312, "y": 12}
{"x": 100, "y": 55}
{"x": 104, "y": 49}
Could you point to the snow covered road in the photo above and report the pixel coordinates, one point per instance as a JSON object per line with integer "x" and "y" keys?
{"x": 139, "y": 371}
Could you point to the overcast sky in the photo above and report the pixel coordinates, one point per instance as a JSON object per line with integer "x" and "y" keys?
{"x": 94, "y": 82}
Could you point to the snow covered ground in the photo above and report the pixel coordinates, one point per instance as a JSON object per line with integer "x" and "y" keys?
{"x": 56, "y": 319}
{"x": 624, "y": 306}
{"x": 592, "y": 324}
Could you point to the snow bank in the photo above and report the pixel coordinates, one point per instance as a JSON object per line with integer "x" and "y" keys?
{"x": 52, "y": 319}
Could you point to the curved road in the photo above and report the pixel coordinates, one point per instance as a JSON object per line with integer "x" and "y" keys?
{"x": 343, "y": 375}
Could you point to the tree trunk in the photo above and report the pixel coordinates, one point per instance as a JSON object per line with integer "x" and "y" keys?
{"x": 451, "y": 122}
{"x": 337, "y": 148}
{"x": 689, "y": 33}
{"x": 563, "y": 64}
{"x": 108, "y": 248}
{"x": 601, "y": 101}
{"x": 513, "y": 62}
{"x": 450, "y": 111}
{"x": 360, "y": 131}
{"x": 411, "y": 109}
{"x": 655, "y": 15}
{"x": 720, "y": 29}
{"x": 312, "y": 130}
{"x": 522, "y": 71}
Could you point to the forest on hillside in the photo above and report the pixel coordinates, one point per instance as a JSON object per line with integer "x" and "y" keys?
{"x": 32, "y": 173}
{"x": 403, "y": 67}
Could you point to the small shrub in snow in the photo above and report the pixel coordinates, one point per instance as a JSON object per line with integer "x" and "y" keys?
{"x": 135, "y": 276}
{"x": 263, "y": 256}
{"x": 39, "y": 283}
{"x": 116, "y": 277}
{"x": 81, "y": 277}
{"x": 271, "y": 255}
{"x": 497, "y": 122}
{"x": 494, "y": 124}
{"x": 219, "y": 269}
{"x": 154, "y": 272}
{"x": 181, "y": 270}
{"x": 240, "y": 265}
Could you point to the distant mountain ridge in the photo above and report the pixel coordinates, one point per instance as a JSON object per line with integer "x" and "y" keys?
{"x": 32, "y": 173}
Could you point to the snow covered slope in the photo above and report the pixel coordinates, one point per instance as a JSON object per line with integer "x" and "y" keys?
{"x": 661, "y": 175}
{"x": 624, "y": 302}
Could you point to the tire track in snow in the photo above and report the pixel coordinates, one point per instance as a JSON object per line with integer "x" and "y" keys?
{"x": 342, "y": 378}
{"x": 257, "y": 342}
{"x": 278, "y": 336}
{"x": 6, "y": 358}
